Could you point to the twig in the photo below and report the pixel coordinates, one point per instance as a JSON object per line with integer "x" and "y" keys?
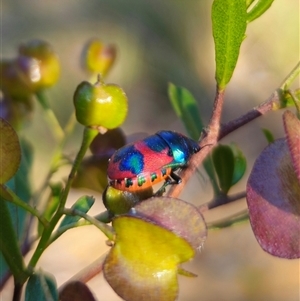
{"x": 209, "y": 140}
{"x": 263, "y": 108}
{"x": 88, "y": 272}
{"x": 215, "y": 133}
{"x": 222, "y": 200}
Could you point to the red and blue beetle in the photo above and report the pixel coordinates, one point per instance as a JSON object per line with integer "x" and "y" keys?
{"x": 142, "y": 164}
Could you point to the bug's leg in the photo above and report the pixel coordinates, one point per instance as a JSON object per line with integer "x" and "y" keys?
{"x": 171, "y": 180}
{"x": 175, "y": 177}
{"x": 162, "y": 189}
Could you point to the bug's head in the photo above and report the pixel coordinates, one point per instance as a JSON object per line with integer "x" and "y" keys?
{"x": 182, "y": 147}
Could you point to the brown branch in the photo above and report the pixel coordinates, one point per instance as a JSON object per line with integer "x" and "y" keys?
{"x": 215, "y": 133}
{"x": 88, "y": 272}
{"x": 209, "y": 140}
{"x": 222, "y": 200}
{"x": 272, "y": 102}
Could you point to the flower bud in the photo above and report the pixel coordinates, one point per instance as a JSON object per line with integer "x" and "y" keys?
{"x": 100, "y": 105}
{"x": 97, "y": 57}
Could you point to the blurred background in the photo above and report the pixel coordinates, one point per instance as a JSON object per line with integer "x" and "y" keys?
{"x": 160, "y": 42}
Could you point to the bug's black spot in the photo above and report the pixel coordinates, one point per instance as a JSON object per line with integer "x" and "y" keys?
{"x": 128, "y": 182}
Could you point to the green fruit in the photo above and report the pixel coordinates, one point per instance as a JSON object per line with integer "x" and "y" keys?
{"x": 120, "y": 202}
{"x": 100, "y": 105}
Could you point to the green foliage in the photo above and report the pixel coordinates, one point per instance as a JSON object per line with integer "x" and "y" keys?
{"x": 51, "y": 205}
{"x": 260, "y": 7}
{"x": 240, "y": 164}
{"x": 9, "y": 245}
{"x": 83, "y": 204}
{"x": 223, "y": 160}
{"x": 150, "y": 235}
{"x": 10, "y": 151}
{"x": 186, "y": 108}
{"x": 19, "y": 184}
{"x": 41, "y": 286}
{"x": 269, "y": 136}
{"x": 229, "y": 18}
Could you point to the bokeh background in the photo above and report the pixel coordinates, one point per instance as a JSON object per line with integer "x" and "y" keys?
{"x": 160, "y": 42}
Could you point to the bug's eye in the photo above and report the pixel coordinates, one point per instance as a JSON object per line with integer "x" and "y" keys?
{"x": 170, "y": 153}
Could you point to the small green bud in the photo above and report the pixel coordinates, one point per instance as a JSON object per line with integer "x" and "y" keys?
{"x": 120, "y": 202}
{"x": 100, "y": 105}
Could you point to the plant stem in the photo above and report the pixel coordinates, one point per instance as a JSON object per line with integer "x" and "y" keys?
{"x": 62, "y": 230}
{"x": 229, "y": 221}
{"x": 215, "y": 133}
{"x": 222, "y": 200}
{"x": 58, "y": 151}
{"x": 273, "y": 102}
{"x": 103, "y": 217}
{"x": 107, "y": 230}
{"x": 291, "y": 77}
{"x": 261, "y": 109}
{"x": 209, "y": 141}
{"x": 17, "y": 291}
{"x": 52, "y": 120}
{"x": 88, "y": 137}
{"x": 18, "y": 202}
{"x": 88, "y": 272}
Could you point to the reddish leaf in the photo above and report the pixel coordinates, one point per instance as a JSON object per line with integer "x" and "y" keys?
{"x": 151, "y": 242}
{"x": 143, "y": 263}
{"x": 106, "y": 144}
{"x": 292, "y": 130}
{"x": 76, "y": 291}
{"x": 180, "y": 217}
{"x": 273, "y": 192}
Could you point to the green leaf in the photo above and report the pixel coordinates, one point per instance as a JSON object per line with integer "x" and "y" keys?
{"x": 20, "y": 184}
{"x": 240, "y": 164}
{"x": 41, "y": 286}
{"x": 52, "y": 204}
{"x": 223, "y": 160}
{"x": 9, "y": 245}
{"x": 269, "y": 136}
{"x": 186, "y": 108}
{"x": 258, "y": 9}
{"x": 229, "y": 26}
{"x": 249, "y": 2}
{"x": 286, "y": 99}
{"x": 210, "y": 170}
{"x": 83, "y": 204}
{"x": 10, "y": 151}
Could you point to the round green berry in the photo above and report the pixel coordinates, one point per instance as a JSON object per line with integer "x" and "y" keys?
{"x": 100, "y": 105}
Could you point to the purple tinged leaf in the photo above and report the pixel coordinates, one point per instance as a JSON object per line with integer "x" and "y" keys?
{"x": 182, "y": 218}
{"x": 76, "y": 291}
{"x": 292, "y": 130}
{"x": 151, "y": 242}
{"x": 273, "y": 192}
